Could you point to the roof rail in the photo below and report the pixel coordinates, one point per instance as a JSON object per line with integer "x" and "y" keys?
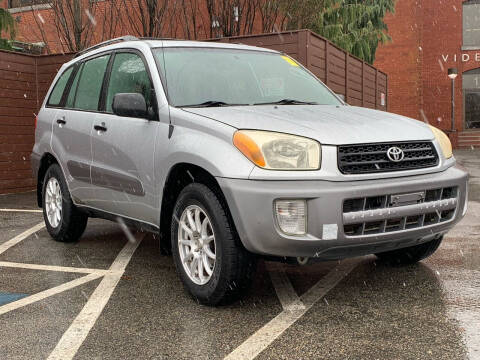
{"x": 105, "y": 43}
{"x": 156, "y": 38}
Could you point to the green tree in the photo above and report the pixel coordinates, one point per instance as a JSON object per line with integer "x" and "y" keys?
{"x": 7, "y": 24}
{"x": 355, "y": 25}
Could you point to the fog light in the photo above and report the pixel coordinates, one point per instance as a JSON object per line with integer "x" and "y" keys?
{"x": 291, "y": 216}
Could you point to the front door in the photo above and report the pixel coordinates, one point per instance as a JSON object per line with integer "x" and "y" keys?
{"x": 123, "y": 148}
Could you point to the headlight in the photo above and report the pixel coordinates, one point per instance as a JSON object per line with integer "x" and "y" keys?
{"x": 277, "y": 151}
{"x": 444, "y": 142}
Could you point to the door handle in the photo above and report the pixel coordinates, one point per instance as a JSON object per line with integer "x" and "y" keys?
{"x": 100, "y": 128}
{"x": 61, "y": 121}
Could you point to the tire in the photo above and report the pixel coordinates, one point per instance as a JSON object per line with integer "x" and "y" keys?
{"x": 233, "y": 266}
{"x": 70, "y": 223}
{"x": 412, "y": 254}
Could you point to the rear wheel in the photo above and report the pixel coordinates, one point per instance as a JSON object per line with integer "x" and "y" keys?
{"x": 412, "y": 254}
{"x": 212, "y": 264}
{"x": 63, "y": 220}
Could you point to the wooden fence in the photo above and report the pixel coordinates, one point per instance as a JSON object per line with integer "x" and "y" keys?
{"x": 25, "y": 79}
{"x": 360, "y": 83}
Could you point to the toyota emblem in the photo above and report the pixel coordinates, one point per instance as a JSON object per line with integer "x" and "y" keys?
{"x": 395, "y": 154}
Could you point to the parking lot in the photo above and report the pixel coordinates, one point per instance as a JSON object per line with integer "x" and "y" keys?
{"x": 113, "y": 296}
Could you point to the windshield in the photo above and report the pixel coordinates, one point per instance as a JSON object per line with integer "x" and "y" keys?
{"x": 219, "y": 77}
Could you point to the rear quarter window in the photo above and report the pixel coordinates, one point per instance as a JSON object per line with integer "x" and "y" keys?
{"x": 57, "y": 92}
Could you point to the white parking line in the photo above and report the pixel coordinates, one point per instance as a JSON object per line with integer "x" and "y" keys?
{"x": 53, "y": 268}
{"x": 75, "y": 335}
{"x": 12, "y": 242}
{"x": 263, "y": 337}
{"x": 283, "y": 287}
{"x": 47, "y": 293}
{"x": 21, "y": 210}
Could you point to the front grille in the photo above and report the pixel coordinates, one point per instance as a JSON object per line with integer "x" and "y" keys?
{"x": 372, "y": 158}
{"x": 378, "y": 215}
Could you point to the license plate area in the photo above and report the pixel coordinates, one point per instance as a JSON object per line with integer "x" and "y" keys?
{"x": 396, "y": 200}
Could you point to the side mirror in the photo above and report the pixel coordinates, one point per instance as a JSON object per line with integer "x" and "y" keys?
{"x": 130, "y": 105}
{"x": 341, "y": 96}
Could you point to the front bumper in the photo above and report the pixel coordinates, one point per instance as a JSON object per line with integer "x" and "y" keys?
{"x": 251, "y": 204}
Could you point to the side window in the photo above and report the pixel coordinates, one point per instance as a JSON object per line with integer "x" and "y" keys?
{"x": 73, "y": 89}
{"x": 128, "y": 75}
{"x": 90, "y": 83}
{"x": 471, "y": 24}
{"x": 57, "y": 92}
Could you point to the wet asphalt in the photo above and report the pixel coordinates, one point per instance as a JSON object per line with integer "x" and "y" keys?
{"x": 430, "y": 310}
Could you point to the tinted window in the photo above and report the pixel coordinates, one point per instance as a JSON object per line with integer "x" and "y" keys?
{"x": 57, "y": 92}
{"x": 129, "y": 75}
{"x": 90, "y": 83}
{"x": 73, "y": 89}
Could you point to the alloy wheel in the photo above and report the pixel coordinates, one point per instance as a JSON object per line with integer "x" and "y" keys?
{"x": 53, "y": 202}
{"x": 196, "y": 244}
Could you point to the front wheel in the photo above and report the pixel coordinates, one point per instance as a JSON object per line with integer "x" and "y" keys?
{"x": 212, "y": 264}
{"x": 412, "y": 254}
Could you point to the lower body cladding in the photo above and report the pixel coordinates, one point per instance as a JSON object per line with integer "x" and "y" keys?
{"x": 346, "y": 218}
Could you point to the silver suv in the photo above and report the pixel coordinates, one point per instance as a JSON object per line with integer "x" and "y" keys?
{"x": 232, "y": 152}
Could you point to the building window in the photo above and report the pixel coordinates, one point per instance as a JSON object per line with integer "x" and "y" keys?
{"x": 471, "y": 93}
{"x": 23, "y": 3}
{"x": 471, "y": 23}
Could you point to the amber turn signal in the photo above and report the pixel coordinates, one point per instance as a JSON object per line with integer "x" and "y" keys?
{"x": 249, "y": 148}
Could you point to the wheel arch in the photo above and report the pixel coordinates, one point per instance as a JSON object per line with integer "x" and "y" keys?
{"x": 45, "y": 162}
{"x": 179, "y": 176}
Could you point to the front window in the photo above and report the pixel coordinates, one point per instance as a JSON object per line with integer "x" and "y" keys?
{"x": 128, "y": 75}
{"x": 471, "y": 23}
{"x": 196, "y": 76}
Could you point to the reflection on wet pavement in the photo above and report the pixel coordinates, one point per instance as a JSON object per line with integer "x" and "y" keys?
{"x": 378, "y": 312}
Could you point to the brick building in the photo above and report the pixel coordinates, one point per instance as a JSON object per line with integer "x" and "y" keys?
{"x": 429, "y": 37}
{"x": 188, "y": 19}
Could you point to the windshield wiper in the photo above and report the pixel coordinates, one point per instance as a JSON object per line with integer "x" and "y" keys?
{"x": 211, "y": 103}
{"x": 288, "y": 102}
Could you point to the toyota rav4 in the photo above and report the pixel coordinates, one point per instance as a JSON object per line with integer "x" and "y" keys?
{"x": 232, "y": 152}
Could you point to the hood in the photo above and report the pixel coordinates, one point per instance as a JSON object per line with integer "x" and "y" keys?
{"x": 328, "y": 124}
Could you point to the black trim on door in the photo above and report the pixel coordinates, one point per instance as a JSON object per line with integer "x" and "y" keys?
{"x": 116, "y": 181}
{"x": 106, "y": 81}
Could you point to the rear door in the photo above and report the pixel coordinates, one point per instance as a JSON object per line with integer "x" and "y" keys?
{"x": 73, "y": 121}
{"x": 123, "y": 147}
